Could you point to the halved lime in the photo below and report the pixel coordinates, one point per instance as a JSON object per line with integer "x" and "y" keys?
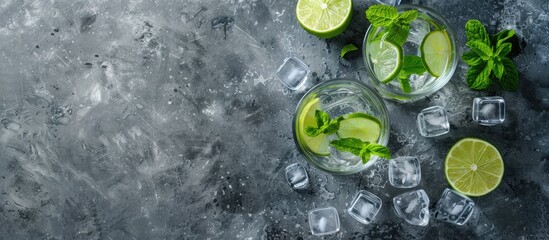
{"x": 386, "y": 57}
{"x": 324, "y": 18}
{"x": 360, "y": 125}
{"x": 473, "y": 167}
{"x": 435, "y": 52}
{"x": 319, "y": 145}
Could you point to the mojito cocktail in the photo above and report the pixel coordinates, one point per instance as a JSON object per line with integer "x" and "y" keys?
{"x": 360, "y": 115}
{"x": 409, "y": 52}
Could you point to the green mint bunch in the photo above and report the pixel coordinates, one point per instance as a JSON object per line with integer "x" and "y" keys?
{"x": 397, "y": 25}
{"x": 410, "y": 65}
{"x": 328, "y": 126}
{"x": 488, "y": 58}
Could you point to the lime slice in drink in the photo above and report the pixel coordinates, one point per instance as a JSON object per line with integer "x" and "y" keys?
{"x": 387, "y": 59}
{"x": 324, "y": 18}
{"x": 360, "y": 125}
{"x": 473, "y": 167}
{"x": 319, "y": 145}
{"x": 435, "y": 52}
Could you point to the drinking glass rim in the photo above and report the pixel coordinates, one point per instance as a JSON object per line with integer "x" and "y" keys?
{"x": 440, "y": 82}
{"x": 384, "y": 138}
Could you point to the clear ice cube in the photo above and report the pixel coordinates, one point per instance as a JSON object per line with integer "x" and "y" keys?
{"x": 404, "y": 172}
{"x": 413, "y": 207}
{"x": 433, "y": 122}
{"x": 418, "y": 30}
{"x": 292, "y": 73}
{"x": 454, "y": 207}
{"x": 389, "y": 2}
{"x": 488, "y": 111}
{"x": 297, "y": 177}
{"x": 323, "y": 221}
{"x": 364, "y": 207}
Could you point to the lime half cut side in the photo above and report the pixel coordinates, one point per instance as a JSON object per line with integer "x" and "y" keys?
{"x": 360, "y": 125}
{"x": 436, "y": 52}
{"x": 324, "y": 18}
{"x": 319, "y": 145}
{"x": 473, "y": 167}
{"x": 386, "y": 58}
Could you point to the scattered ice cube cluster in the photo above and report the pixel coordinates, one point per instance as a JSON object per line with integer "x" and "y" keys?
{"x": 488, "y": 111}
{"x": 297, "y": 176}
{"x": 389, "y": 2}
{"x": 433, "y": 121}
{"x": 364, "y": 207}
{"x": 324, "y": 221}
{"x": 292, "y": 73}
{"x": 404, "y": 172}
{"x": 454, "y": 207}
{"x": 413, "y": 207}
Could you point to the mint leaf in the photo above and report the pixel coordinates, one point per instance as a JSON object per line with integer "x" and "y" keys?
{"x": 381, "y": 15}
{"x": 503, "y": 49}
{"x": 379, "y": 150}
{"x": 503, "y": 36}
{"x": 398, "y": 33}
{"x": 478, "y": 77}
{"x": 472, "y": 58}
{"x": 407, "y": 17}
{"x": 498, "y": 68}
{"x": 405, "y": 84}
{"x": 484, "y": 51}
{"x": 347, "y": 48}
{"x": 365, "y": 155}
{"x": 332, "y": 126}
{"x": 412, "y": 65}
{"x": 322, "y": 118}
{"x": 475, "y": 31}
{"x": 352, "y": 145}
{"x": 312, "y": 131}
{"x": 509, "y": 79}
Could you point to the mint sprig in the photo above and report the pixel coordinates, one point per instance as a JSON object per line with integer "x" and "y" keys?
{"x": 325, "y": 125}
{"x": 410, "y": 65}
{"x": 397, "y": 26}
{"x": 361, "y": 148}
{"x": 488, "y": 58}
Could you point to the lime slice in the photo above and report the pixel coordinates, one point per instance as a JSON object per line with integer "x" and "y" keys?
{"x": 324, "y": 18}
{"x": 387, "y": 59}
{"x": 435, "y": 52}
{"x": 473, "y": 167}
{"x": 361, "y": 126}
{"x": 319, "y": 145}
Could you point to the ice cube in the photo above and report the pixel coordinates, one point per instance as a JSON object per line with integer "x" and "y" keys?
{"x": 453, "y": 207}
{"x": 364, "y": 207}
{"x": 389, "y": 2}
{"x": 433, "y": 122}
{"x": 418, "y": 30}
{"x": 297, "y": 177}
{"x": 413, "y": 207}
{"x": 488, "y": 111}
{"x": 404, "y": 172}
{"x": 323, "y": 221}
{"x": 292, "y": 73}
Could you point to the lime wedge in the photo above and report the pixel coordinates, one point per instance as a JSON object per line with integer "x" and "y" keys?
{"x": 435, "y": 52}
{"x": 324, "y": 18}
{"x": 361, "y": 126}
{"x": 319, "y": 145}
{"x": 473, "y": 167}
{"x": 387, "y": 59}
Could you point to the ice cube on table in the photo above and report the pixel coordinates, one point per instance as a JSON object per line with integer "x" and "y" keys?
{"x": 413, "y": 207}
{"x": 454, "y": 207}
{"x": 292, "y": 73}
{"x": 297, "y": 177}
{"x": 364, "y": 207}
{"x": 404, "y": 172}
{"x": 389, "y": 2}
{"x": 488, "y": 111}
{"x": 433, "y": 121}
{"x": 323, "y": 221}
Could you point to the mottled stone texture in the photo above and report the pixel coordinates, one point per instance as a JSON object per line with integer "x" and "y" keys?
{"x": 140, "y": 119}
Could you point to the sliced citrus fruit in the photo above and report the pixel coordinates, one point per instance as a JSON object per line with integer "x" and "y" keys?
{"x": 319, "y": 145}
{"x": 360, "y": 125}
{"x": 435, "y": 52}
{"x": 473, "y": 167}
{"x": 324, "y": 18}
{"x": 386, "y": 57}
